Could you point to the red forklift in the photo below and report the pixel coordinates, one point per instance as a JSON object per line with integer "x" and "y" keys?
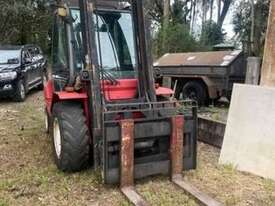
{"x": 103, "y": 108}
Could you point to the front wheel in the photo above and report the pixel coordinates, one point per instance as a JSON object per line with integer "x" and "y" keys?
{"x": 20, "y": 91}
{"x": 70, "y": 137}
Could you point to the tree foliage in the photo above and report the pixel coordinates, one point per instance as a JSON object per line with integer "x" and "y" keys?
{"x": 242, "y": 25}
{"x": 154, "y": 9}
{"x": 181, "y": 12}
{"x": 211, "y": 34}
{"x": 24, "y": 22}
{"x": 28, "y": 21}
{"x": 177, "y": 35}
{"x": 174, "y": 37}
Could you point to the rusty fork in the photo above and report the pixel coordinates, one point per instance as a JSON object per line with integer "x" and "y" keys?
{"x": 127, "y": 164}
{"x": 176, "y": 156}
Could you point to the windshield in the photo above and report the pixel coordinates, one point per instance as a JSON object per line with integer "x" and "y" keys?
{"x": 9, "y": 56}
{"x": 115, "y": 42}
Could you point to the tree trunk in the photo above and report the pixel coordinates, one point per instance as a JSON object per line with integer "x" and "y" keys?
{"x": 219, "y": 10}
{"x": 211, "y": 10}
{"x": 226, "y": 5}
{"x": 268, "y": 68}
{"x": 193, "y": 16}
{"x": 166, "y": 18}
{"x": 166, "y": 12}
{"x": 252, "y": 40}
{"x": 204, "y": 11}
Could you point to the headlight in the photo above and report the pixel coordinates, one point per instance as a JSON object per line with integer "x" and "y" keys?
{"x": 8, "y": 75}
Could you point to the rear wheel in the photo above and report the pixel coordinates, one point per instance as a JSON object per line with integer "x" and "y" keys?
{"x": 70, "y": 137}
{"x": 20, "y": 91}
{"x": 194, "y": 90}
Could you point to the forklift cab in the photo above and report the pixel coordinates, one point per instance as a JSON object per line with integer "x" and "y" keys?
{"x": 117, "y": 53}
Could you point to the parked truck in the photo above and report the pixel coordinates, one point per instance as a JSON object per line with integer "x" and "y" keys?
{"x": 201, "y": 76}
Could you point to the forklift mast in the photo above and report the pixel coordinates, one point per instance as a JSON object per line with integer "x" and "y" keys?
{"x": 89, "y": 10}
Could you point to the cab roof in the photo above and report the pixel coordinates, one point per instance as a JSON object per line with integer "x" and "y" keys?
{"x": 107, "y": 4}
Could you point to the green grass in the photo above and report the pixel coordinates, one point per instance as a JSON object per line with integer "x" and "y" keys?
{"x": 3, "y": 202}
{"x": 160, "y": 191}
{"x": 29, "y": 176}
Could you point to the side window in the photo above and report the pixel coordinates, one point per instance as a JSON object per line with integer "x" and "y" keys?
{"x": 108, "y": 58}
{"x": 60, "y": 60}
{"x": 105, "y": 46}
{"x": 77, "y": 38}
{"x": 37, "y": 53}
{"x": 26, "y": 57}
{"x": 32, "y": 54}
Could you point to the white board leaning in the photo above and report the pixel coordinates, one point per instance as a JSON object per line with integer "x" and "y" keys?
{"x": 249, "y": 142}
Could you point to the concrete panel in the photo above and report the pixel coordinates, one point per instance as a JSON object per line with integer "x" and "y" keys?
{"x": 249, "y": 142}
{"x": 253, "y": 70}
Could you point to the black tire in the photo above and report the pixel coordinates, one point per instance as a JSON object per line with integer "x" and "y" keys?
{"x": 195, "y": 90}
{"x": 48, "y": 122}
{"x": 73, "y": 156}
{"x": 20, "y": 91}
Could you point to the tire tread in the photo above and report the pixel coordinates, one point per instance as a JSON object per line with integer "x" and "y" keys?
{"x": 75, "y": 137}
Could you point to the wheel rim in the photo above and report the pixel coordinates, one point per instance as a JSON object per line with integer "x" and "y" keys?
{"x": 57, "y": 138}
{"x": 22, "y": 91}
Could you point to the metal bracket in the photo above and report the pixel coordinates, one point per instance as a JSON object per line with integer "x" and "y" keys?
{"x": 176, "y": 153}
{"x": 127, "y": 164}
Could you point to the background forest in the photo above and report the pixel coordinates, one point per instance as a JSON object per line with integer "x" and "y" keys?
{"x": 176, "y": 26}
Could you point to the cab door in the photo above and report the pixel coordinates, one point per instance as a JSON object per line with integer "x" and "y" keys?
{"x": 27, "y": 68}
{"x": 60, "y": 54}
{"x": 35, "y": 71}
{"x": 39, "y": 63}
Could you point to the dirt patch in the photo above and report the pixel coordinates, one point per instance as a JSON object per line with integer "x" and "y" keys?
{"x": 28, "y": 175}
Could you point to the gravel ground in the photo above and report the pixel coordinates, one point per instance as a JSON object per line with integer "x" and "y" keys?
{"x": 28, "y": 175}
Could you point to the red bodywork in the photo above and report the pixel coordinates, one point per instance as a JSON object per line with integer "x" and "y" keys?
{"x": 125, "y": 89}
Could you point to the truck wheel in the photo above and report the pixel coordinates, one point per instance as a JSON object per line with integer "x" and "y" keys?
{"x": 20, "y": 91}
{"x": 194, "y": 90}
{"x": 70, "y": 137}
